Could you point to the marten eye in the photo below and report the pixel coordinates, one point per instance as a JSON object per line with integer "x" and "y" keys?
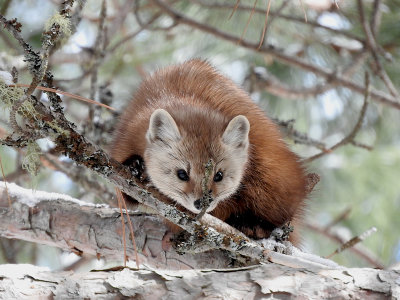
{"x": 182, "y": 175}
{"x": 218, "y": 176}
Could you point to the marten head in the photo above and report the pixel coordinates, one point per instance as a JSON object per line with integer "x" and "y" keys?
{"x": 178, "y": 149}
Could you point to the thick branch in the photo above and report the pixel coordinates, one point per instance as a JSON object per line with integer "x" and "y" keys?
{"x": 262, "y": 282}
{"x": 73, "y": 225}
{"x": 60, "y": 221}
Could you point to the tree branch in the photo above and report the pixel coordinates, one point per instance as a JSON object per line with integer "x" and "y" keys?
{"x": 261, "y": 282}
{"x": 61, "y": 221}
{"x": 87, "y": 229}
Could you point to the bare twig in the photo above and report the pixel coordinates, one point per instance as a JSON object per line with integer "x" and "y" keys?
{"x": 80, "y": 98}
{"x": 98, "y": 51}
{"x": 374, "y": 48}
{"x": 354, "y": 241}
{"x": 297, "y": 136}
{"x": 304, "y": 11}
{"x": 376, "y": 17}
{"x": 119, "y": 199}
{"x": 122, "y": 200}
{"x": 5, "y": 182}
{"x": 359, "y": 250}
{"x": 265, "y": 25}
{"x": 234, "y": 8}
{"x": 248, "y": 21}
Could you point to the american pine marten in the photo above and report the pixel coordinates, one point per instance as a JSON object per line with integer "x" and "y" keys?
{"x": 183, "y": 116}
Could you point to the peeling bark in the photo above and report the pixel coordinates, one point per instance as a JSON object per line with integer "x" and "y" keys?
{"x": 258, "y": 282}
{"x": 60, "y": 221}
{"x": 68, "y": 223}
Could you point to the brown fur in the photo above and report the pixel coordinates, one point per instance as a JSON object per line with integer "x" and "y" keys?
{"x": 273, "y": 186}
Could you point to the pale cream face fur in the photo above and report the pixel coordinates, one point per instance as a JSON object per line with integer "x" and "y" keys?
{"x": 170, "y": 149}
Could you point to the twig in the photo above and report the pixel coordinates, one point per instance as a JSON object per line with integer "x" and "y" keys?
{"x": 5, "y": 183}
{"x": 73, "y": 96}
{"x": 130, "y": 227}
{"x": 297, "y": 136}
{"x": 354, "y": 241}
{"x": 304, "y": 11}
{"x": 98, "y": 50}
{"x": 265, "y": 25}
{"x": 39, "y": 68}
{"x": 360, "y": 145}
{"x": 119, "y": 199}
{"x": 374, "y": 49}
{"x": 302, "y": 138}
{"x": 136, "y": 7}
{"x": 376, "y": 17}
{"x": 359, "y": 250}
{"x": 248, "y": 21}
{"x": 234, "y": 9}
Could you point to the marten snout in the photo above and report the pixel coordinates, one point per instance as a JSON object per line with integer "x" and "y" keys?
{"x": 198, "y": 203}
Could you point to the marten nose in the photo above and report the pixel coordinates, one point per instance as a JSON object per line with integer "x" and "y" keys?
{"x": 197, "y": 204}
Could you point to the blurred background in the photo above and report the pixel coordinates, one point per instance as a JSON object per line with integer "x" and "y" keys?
{"x": 306, "y": 69}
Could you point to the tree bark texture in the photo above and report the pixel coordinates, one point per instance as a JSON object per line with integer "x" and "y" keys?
{"x": 83, "y": 228}
{"x": 267, "y": 281}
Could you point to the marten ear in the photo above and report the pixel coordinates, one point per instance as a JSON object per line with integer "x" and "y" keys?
{"x": 237, "y": 132}
{"x": 162, "y": 127}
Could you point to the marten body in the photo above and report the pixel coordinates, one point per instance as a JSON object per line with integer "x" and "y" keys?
{"x": 183, "y": 116}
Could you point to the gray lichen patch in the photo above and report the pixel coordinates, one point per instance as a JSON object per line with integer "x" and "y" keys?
{"x": 31, "y": 161}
